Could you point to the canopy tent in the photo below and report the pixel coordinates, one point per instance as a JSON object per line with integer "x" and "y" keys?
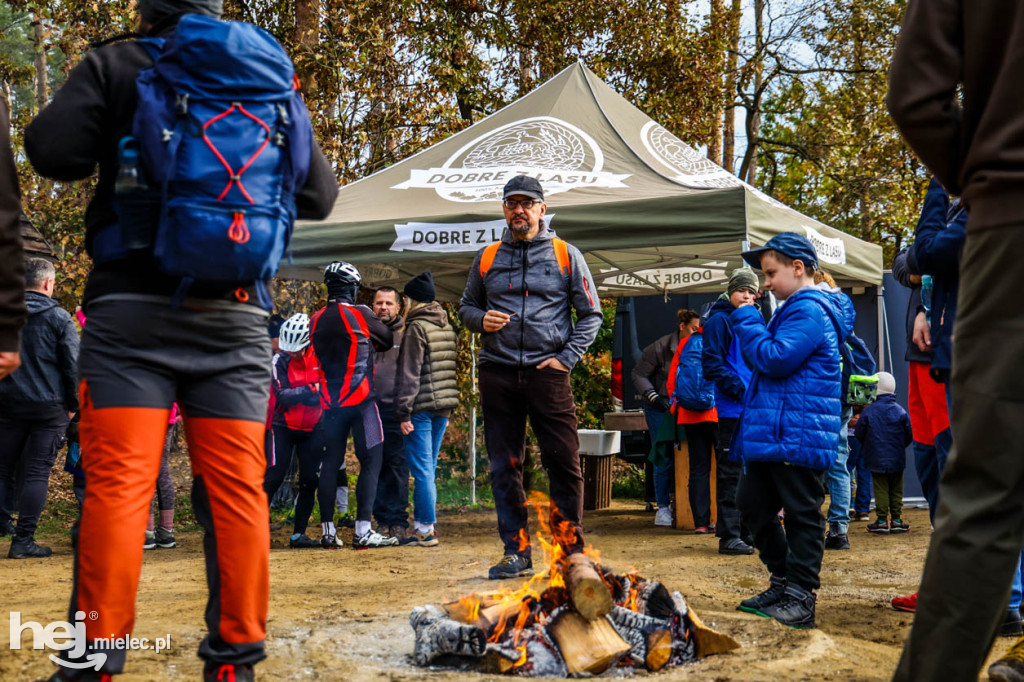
{"x": 649, "y": 212}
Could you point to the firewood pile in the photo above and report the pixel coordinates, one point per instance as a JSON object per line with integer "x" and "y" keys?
{"x": 575, "y": 618}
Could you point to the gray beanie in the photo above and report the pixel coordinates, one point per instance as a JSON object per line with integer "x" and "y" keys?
{"x": 742, "y": 278}
{"x": 153, "y": 11}
{"x": 886, "y": 383}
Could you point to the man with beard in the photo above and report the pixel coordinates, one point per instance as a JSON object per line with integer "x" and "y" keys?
{"x": 520, "y": 295}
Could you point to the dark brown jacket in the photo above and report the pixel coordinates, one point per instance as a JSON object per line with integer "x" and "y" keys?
{"x": 974, "y": 145}
{"x": 12, "y": 264}
{"x": 426, "y": 380}
{"x": 651, "y": 371}
{"x": 385, "y": 367}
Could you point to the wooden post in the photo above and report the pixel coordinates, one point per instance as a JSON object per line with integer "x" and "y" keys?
{"x": 683, "y": 519}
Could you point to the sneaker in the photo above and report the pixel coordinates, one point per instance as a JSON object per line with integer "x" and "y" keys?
{"x": 1009, "y": 668}
{"x": 275, "y": 526}
{"x": 150, "y": 541}
{"x": 331, "y": 542}
{"x": 907, "y": 604}
{"x": 303, "y": 542}
{"x": 213, "y": 672}
{"x": 26, "y": 548}
{"x": 880, "y": 526}
{"x": 345, "y": 520}
{"x": 511, "y": 566}
{"x": 704, "y": 530}
{"x": 795, "y": 609}
{"x": 836, "y": 540}
{"x": 898, "y": 526}
{"x": 860, "y": 516}
{"x": 426, "y": 540}
{"x": 165, "y": 538}
{"x": 1012, "y": 626}
{"x": 734, "y": 547}
{"x": 759, "y": 602}
{"x": 663, "y": 517}
{"x": 373, "y": 539}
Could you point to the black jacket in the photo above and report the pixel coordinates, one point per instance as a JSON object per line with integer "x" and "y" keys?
{"x": 652, "y": 369}
{"x": 345, "y": 337}
{"x": 12, "y": 264}
{"x": 81, "y": 128}
{"x": 902, "y": 269}
{"x": 49, "y": 358}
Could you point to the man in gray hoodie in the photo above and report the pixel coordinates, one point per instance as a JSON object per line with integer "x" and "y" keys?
{"x": 520, "y": 296}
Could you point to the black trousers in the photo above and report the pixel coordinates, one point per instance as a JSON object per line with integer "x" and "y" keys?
{"x": 796, "y": 552}
{"x": 390, "y": 508}
{"x": 363, "y": 421}
{"x": 308, "y": 448}
{"x": 508, "y": 397}
{"x": 700, "y": 439}
{"x": 727, "y": 478}
{"x": 29, "y": 443}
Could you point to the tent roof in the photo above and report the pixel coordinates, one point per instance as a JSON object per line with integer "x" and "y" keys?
{"x": 651, "y": 214}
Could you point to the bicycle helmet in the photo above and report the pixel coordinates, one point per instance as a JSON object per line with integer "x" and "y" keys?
{"x": 295, "y": 333}
{"x": 340, "y": 272}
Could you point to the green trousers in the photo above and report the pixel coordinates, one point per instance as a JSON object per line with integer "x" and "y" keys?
{"x": 979, "y": 527}
{"x": 888, "y": 490}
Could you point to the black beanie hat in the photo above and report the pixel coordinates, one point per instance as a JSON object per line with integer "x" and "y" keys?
{"x": 153, "y": 11}
{"x": 421, "y": 288}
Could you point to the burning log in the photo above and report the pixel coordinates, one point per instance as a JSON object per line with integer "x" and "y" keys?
{"x": 659, "y": 649}
{"x": 640, "y": 632}
{"x": 587, "y": 590}
{"x": 437, "y": 634}
{"x": 586, "y": 646}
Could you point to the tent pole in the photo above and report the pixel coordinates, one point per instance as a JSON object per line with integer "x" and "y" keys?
{"x": 881, "y": 327}
{"x": 472, "y": 420}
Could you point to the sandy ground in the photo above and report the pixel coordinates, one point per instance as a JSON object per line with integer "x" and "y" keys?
{"x": 343, "y": 615}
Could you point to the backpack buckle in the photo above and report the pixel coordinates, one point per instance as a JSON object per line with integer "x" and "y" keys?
{"x": 181, "y": 104}
{"x": 282, "y": 112}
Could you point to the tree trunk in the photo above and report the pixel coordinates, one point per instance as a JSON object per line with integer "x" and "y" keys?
{"x": 748, "y": 169}
{"x": 306, "y": 37}
{"x": 42, "y": 87}
{"x": 715, "y": 136}
{"x": 729, "y": 100}
{"x": 525, "y": 70}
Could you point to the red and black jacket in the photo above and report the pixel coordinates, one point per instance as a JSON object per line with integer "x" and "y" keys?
{"x": 343, "y": 336}
{"x": 295, "y": 392}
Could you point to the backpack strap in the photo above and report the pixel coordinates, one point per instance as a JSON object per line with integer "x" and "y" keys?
{"x": 487, "y": 258}
{"x": 562, "y": 255}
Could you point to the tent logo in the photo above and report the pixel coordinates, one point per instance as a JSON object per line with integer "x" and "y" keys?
{"x": 691, "y": 168}
{"x": 560, "y": 155}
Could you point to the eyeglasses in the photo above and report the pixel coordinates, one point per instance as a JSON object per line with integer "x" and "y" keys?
{"x": 527, "y": 204}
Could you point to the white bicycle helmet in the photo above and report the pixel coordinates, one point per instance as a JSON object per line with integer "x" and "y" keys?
{"x": 295, "y": 333}
{"x": 342, "y": 273}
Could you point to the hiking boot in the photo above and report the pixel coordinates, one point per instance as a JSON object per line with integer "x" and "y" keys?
{"x": 511, "y": 566}
{"x": 276, "y": 525}
{"x": 907, "y": 604}
{"x": 1009, "y": 668}
{"x": 345, "y": 520}
{"x": 759, "y": 602}
{"x": 225, "y": 672}
{"x": 303, "y": 542}
{"x": 1012, "y": 626}
{"x": 150, "y": 541}
{"x": 400, "y": 532}
{"x": 795, "y": 609}
{"x": 426, "y": 539}
{"x": 165, "y": 538}
{"x": 331, "y": 542}
{"x": 860, "y": 516}
{"x": 26, "y": 548}
{"x": 7, "y": 528}
{"x": 705, "y": 530}
{"x": 373, "y": 539}
{"x": 663, "y": 517}
{"x": 836, "y": 540}
{"x": 881, "y": 526}
{"x": 734, "y": 547}
{"x": 898, "y": 526}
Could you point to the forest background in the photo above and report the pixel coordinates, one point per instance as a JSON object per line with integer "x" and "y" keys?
{"x": 786, "y": 94}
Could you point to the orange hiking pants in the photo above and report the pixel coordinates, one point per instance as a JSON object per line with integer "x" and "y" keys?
{"x": 137, "y": 358}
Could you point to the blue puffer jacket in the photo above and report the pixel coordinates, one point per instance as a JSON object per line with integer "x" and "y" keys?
{"x": 722, "y": 360}
{"x": 884, "y": 430}
{"x": 792, "y": 410}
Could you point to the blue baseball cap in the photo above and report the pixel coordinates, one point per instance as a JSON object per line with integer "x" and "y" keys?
{"x": 792, "y": 244}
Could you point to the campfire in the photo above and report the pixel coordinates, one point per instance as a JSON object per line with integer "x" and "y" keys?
{"x": 576, "y": 617}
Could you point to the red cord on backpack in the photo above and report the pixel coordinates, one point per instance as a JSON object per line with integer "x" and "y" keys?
{"x": 232, "y": 176}
{"x": 239, "y": 231}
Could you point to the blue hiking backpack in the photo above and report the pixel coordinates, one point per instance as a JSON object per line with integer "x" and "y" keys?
{"x": 858, "y": 366}
{"x": 692, "y": 390}
{"x": 224, "y": 143}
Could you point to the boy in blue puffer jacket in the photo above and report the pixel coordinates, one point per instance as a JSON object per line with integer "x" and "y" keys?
{"x": 788, "y": 434}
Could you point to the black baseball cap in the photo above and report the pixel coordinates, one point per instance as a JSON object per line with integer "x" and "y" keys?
{"x": 523, "y": 185}
{"x": 792, "y": 244}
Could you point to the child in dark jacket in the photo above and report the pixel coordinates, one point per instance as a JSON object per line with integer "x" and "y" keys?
{"x": 884, "y": 431}
{"x": 788, "y": 435}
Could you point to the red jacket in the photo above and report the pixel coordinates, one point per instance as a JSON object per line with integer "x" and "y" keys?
{"x": 295, "y": 390}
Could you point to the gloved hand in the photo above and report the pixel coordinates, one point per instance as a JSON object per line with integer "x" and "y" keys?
{"x": 312, "y": 397}
{"x": 656, "y": 401}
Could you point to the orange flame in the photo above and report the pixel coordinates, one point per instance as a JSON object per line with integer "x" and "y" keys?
{"x": 522, "y": 657}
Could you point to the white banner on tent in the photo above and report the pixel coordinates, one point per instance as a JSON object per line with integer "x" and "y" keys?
{"x": 450, "y": 237}
{"x": 665, "y": 278}
{"x": 830, "y": 250}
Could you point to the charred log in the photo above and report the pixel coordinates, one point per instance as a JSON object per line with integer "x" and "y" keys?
{"x": 437, "y": 634}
